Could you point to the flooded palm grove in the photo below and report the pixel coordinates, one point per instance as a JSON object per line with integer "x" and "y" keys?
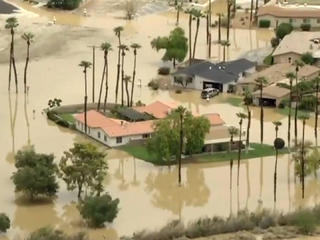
{"x": 149, "y": 195}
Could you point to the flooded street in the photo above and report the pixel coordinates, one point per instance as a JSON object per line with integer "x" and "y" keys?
{"x": 149, "y": 195}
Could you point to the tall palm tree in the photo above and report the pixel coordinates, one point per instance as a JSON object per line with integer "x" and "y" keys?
{"x": 241, "y": 116}
{"x": 247, "y": 102}
{"x": 233, "y": 131}
{"x": 290, "y": 76}
{"x": 277, "y": 124}
{"x": 261, "y": 82}
{"x": 135, "y": 47}
{"x": 117, "y": 32}
{"x": 229, "y": 5}
{"x": 251, "y": 11}
{"x": 189, "y": 11}
{"x": 85, "y": 65}
{"x": 197, "y": 15}
{"x": 219, "y": 27}
{"x": 303, "y": 117}
{"x": 12, "y": 23}
{"x": 316, "y": 111}
{"x": 181, "y": 111}
{"x": 225, "y": 44}
{"x": 298, "y": 64}
{"x": 28, "y": 37}
{"x": 126, "y": 80}
{"x": 106, "y": 48}
{"x": 123, "y": 48}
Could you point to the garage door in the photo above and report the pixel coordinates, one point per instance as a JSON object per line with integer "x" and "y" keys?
{"x": 213, "y": 85}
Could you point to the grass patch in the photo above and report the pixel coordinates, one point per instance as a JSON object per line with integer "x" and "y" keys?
{"x": 67, "y": 117}
{"x": 256, "y": 150}
{"x": 285, "y": 111}
{"x": 234, "y": 101}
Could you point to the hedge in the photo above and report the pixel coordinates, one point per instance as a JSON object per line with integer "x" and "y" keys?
{"x": 264, "y": 23}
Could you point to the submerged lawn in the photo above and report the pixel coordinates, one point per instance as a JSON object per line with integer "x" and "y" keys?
{"x": 68, "y": 117}
{"x": 256, "y": 150}
{"x": 285, "y": 111}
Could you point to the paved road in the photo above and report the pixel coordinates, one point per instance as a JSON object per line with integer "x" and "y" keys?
{"x": 6, "y": 8}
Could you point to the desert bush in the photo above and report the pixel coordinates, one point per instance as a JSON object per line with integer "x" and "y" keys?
{"x": 4, "y": 222}
{"x": 164, "y": 70}
{"x": 305, "y": 26}
{"x": 264, "y": 23}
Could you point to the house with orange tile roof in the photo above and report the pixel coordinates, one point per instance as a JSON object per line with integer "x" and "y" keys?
{"x": 157, "y": 109}
{"x": 115, "y": 132}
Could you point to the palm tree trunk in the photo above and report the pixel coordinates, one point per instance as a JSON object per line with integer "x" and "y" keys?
{"x": 248, "y": 127}
{"x": 209, "y": 49}
{"x": 118, "y": 69}
{"x": 228, "y": 21}
{"x": 178, "y": 16}
{"x": 101, "y": 85}
{"x": 275, "y": 178}
{"x": 122, "y": 79}
{"x": 85, "y": 102}
{"x": 180, "y": 147}
{"x": 302, "y": 157}
{"x": 219, "y": 28}
{"x": 239, "y": 151}
{"x": 316, "y": 114}
{"x": 289, "y": 115}
{"x": 195, "y": 38}
{"x": 257, "y": 7}
{"x": 251, "y": 11}
{"x": 261, "y": 115}
{"x": 190, "y": 48}
{"x": 93, "y": 71}
{"x": 127, "y": 93}
{"x": 107, "y": 83}
{"x": 10, "y": 64}
{"x": 207, "y": 28}
{"x": 231, "y": 159}
{"x": 224, "y": 53}
{"x": 296, "y": 112}
{"x": 133, "y": 78}
{"x": 25, "y": 68}
{"x": 14, "y": 61}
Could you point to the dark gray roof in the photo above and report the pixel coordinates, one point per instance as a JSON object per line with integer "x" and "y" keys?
{"x": 221, "y": 72}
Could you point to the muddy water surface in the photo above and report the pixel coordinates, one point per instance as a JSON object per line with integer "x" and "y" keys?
{"x": 149, "y": 196}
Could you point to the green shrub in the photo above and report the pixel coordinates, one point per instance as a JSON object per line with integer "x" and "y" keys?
{"x": 275, "y": 42}
{"x": 268, "y": 60}
{"x": 264, "y": 23}
{"x": 305, "y": 221}
{"x": 307, "y": 58}
{"x": 47, "y": 233}
{"x": 4, "y": 222}
{"x": 164, "y": 70}
{"x": 283, "y": 29}
{"x": 64, "y": 4}
{"x": 305, "y": 26}
{"x": 63, "y": 123}
{"x": 99, "y": 209}
{"x": 308, "y": 103}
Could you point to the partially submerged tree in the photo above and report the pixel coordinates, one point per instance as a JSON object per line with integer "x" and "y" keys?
{"x": 233, "y": 131}
{"x": 176, "y": 46}
{"x": 28, "y": 37}
{"x": 290, "y": 76}
{"x": 123, "y": 48}
{"x": 97, "y": 210}
{"x": 4, "y": 222}
{"x": 248, "y": 100}
{"x": 261, "y": 82}
{"x": 117, "y": 32}
{"x": 241, "y": 116}
{"x": 36, "y": 174}
{"x": 224, "y": 44}
{"x": 278, "y": 144}
{"x": 197, "y": 15}
{"x": 83, "y": 167}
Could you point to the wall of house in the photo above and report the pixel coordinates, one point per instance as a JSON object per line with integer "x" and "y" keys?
{"x": 285, "y": 58}
{"x": 295, "y": 22}
{"x": 104, "y": 138}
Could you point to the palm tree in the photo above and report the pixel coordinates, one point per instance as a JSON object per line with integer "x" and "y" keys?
{"x": 261, "y": 82}
{"x": 178, "y": 7}
{"x": 117, "y": 32}
{"x": 225, "y": 44}
{"x": 189, "y": 11}
{"x": 241, "y": 116}
{"x": 123, "y": 48}
{"x": 229, "y": 5}
{"x": 135, "y": 47}
{"x": 85, "y": 65}
{"x": 298, "y": 64}
{"x": 316, "y": 111}
{"x": 303, "y": 117}
{"x": 233, "y": 131}
{"x": 277, "y": 124}
{"x": 12, "y": 23}
{"x": 291, "y": 76}
{"x": 181, "y": 111}
{"x": 248, "y": 101}
{"x": 197, "y": 14}
{"x": 28, "y": 37}
{"x": 126, "y": 80}
{"x": 219, "y": 27}
{"x": 105, "y": 47}
{"x": 251, "y": 11}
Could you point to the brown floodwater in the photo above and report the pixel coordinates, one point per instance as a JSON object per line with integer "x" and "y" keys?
{"x": 149, "y": 195}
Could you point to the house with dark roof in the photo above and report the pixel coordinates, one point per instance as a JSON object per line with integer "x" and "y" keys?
{"x": 222, "y": 76}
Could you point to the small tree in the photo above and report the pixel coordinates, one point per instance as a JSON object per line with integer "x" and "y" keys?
{"x": 83, "y": 166}
{"x": 97, "y": 210}
{"x": 176, "y": 46}
{"x": 4, "y": 222}
{"x": 307, "y": 58}
{"x": 283, "y": 29}
{"x": 36, "y": 174}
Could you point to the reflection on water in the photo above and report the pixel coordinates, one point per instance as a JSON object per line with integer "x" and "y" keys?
{"x": 13, "y": 118}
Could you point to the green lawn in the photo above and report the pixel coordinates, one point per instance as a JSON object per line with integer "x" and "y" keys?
{"x": 257, "y": 150}
{"x": 67, "y": 117}
{"x": 234, "y": 101}
{"x": 285, "y": 111}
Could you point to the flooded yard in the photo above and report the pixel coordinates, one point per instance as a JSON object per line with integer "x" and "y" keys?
{"x": 149, "y": 195}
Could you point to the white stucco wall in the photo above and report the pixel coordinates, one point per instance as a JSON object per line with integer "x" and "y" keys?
{"x": 295, "y": 22}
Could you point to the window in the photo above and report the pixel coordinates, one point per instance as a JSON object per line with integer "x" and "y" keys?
{"x": 145, "y": 135}
{"x": 318, "y": 20}
{"x": 289, "y": 59}
{"x": 119, "y": 139}
{"x": 306, "y": 20}
{"x": 99, "y": 134}
{"x": 105, "y": 138}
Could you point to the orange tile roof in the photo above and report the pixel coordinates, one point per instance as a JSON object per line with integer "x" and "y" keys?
{"x": 158, "y": 109}
{"x": 115, "y": 127}
{"x": 215, "y": 119}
